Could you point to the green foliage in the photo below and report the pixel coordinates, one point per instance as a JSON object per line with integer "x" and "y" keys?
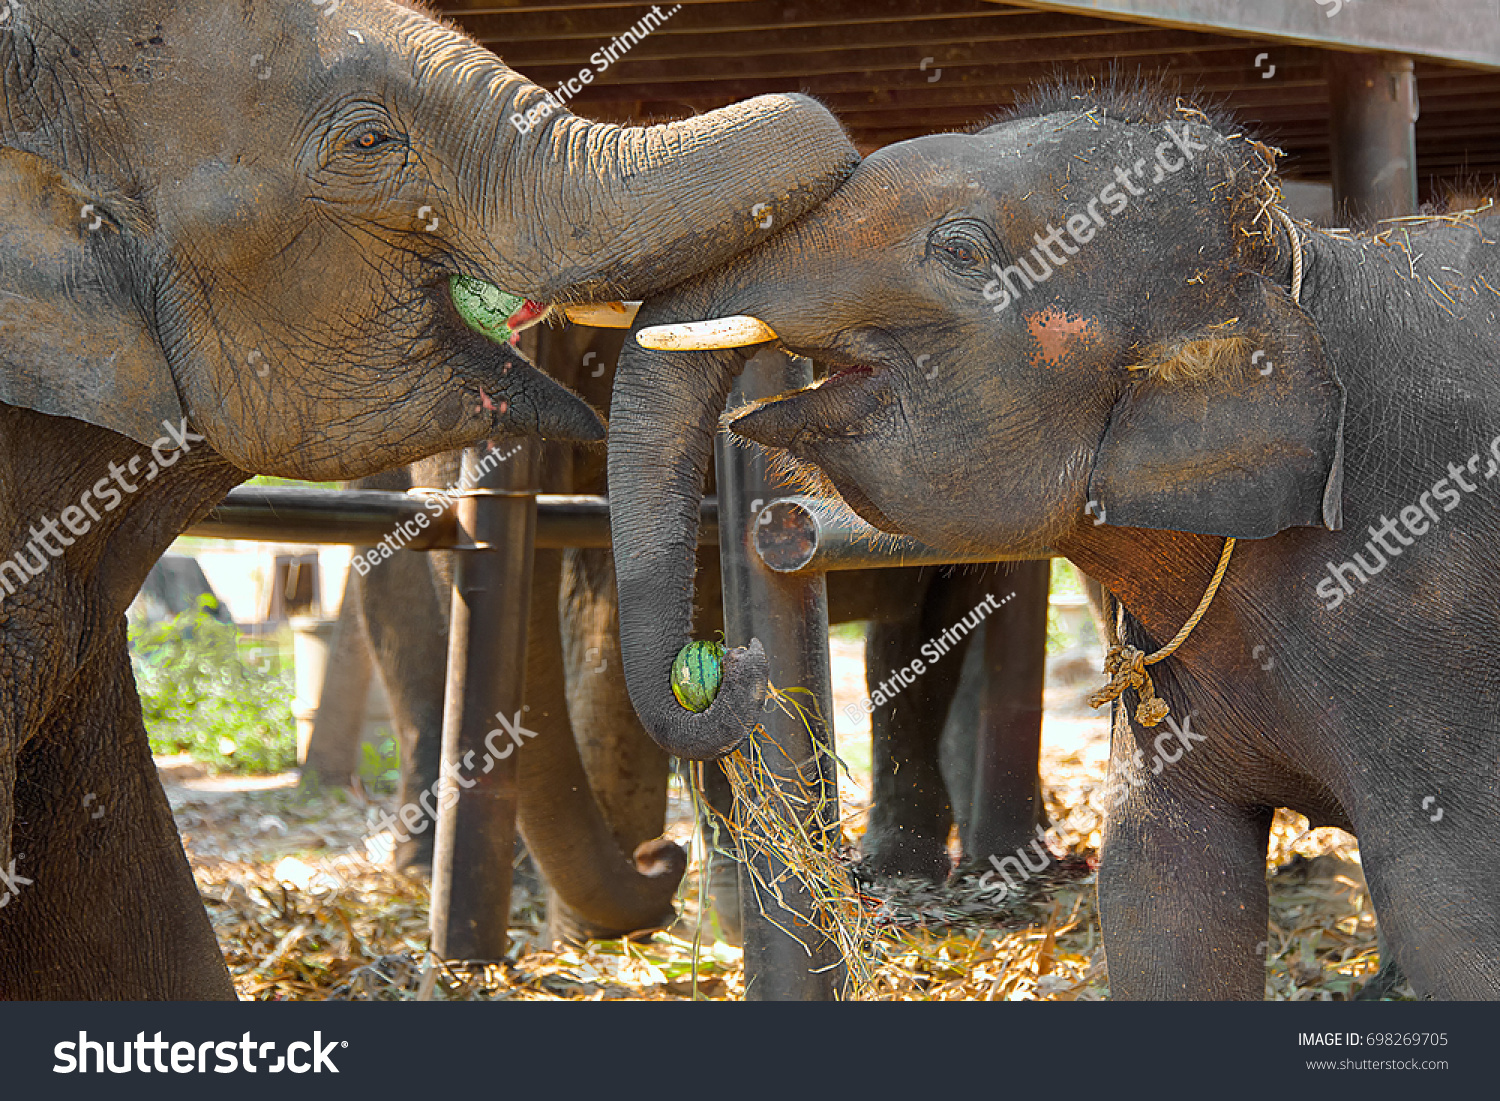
{"x": 1065, "y": 578}
{"x": 853, "y": 631}
{"x": 1061, "y": 635}
{"x": 206, "y": 691}
{"x": 380, "y": 770}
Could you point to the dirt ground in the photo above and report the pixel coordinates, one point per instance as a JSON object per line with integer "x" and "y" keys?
{"x": 296, "y": 926}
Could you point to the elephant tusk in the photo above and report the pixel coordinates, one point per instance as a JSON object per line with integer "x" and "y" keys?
{"x": 701, "y": 336}
{"x": 604, "y": 315}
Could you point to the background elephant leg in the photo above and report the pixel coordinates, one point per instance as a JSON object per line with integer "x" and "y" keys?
{"x": 910, "y": 815}
{"x": 1007, "y": 799}
{"x": 113, "y": 910}
{"x": 334, "y": 748}
{"x": 408, "y": 633}
{"x": 403, "y": 602}
{"x": 960, "y": 739}
{"x": 626, "y": 769}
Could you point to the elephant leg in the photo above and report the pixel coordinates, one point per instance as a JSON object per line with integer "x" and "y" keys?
{"x": 1447, "y": 942}
{"x": 626, "y": 769}
{"x": 604, "y": 889}
{"x": 1008, "y": 804}
{"x": 333, "y": 750}
{"x": 960, "y": 738}
{"x": 408, "y": 633}
{"x": 112, "y": 910}
{"x": 910, "y": 815}
{"x": 1182, "y": 892}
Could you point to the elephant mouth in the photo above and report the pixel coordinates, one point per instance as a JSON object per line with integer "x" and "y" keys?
{"x": 858, "y": 370}
{"x": 493, "y": 313}
{"x": 509, "y": 393}
{"x": 528, "y": 315}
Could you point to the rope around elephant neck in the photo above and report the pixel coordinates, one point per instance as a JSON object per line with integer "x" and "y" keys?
{"x": 1126, "y": 665}
{"x": 1291, "y": 232}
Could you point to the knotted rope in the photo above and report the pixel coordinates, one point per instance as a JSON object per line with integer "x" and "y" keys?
{"x": 1126, "y": 665}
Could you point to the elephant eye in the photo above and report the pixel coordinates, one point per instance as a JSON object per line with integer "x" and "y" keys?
{"x": 961, "y": 255}
{"x": 960, "y": 247}
{"x": 372, "y": 137}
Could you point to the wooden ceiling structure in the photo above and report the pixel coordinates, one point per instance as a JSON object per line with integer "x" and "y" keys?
{"x": 895, "y": 69}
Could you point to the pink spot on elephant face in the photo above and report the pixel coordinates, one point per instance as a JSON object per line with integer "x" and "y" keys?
{"x": 1059, "y": 335}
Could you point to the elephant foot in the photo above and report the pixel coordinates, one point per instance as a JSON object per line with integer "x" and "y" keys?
{"x": 414, "y": 855}
{"x": 903, "y": 854}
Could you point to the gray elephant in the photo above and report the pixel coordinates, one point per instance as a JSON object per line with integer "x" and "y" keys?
{"x": 229, "y": 240}
{"x": 1088, "y": 327}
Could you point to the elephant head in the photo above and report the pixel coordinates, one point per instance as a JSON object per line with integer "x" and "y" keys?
{"x": 250, "y": 215}
{"x": 1055, "y": 323}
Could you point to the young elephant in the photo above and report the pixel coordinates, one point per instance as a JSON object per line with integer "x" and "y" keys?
{"x": 1089, "y": 328}
{"x": 229, "y": 234}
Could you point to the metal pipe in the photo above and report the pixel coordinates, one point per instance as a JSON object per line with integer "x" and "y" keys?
{"x": 816, "y": 534}
{"x": 363, "y": 517}
{"x": 1373, "y": 135}
{"x": 789, "y": 614}
{"x": 483, "y": 708}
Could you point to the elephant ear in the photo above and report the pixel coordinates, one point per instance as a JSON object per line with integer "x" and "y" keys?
{"x": 1232, "y": 427}
{"x": 73, "y": 341}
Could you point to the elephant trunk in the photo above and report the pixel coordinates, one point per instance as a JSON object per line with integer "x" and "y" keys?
{"x": 664, "y": 413}
{"x": 706, "y": 187}
{"x": 591, "y": 211}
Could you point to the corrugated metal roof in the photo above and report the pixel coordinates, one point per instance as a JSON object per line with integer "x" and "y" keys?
{"x": 894, "y": 69}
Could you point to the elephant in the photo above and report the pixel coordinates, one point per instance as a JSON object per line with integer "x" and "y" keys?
{"x": 1088, "y": 329}
{"x": 232, "y": 240}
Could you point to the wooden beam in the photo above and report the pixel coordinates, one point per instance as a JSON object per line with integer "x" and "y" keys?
{"x": 1464, "y": 32}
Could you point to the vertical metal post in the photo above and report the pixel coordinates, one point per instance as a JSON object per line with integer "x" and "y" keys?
{"x": 476, "y": 835}
{"x": 1008, "y": 748}
{"x": 1373, "y": 125}
{"x": 789, "y": 614}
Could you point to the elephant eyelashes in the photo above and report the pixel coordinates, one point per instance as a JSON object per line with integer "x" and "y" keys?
{"x": 957, "y": 255}
{"x": 960, "y": 248}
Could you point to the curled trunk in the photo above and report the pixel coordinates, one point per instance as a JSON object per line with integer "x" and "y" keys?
{"x": 581, "y": 210}
{"x": 664, "y": 414}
